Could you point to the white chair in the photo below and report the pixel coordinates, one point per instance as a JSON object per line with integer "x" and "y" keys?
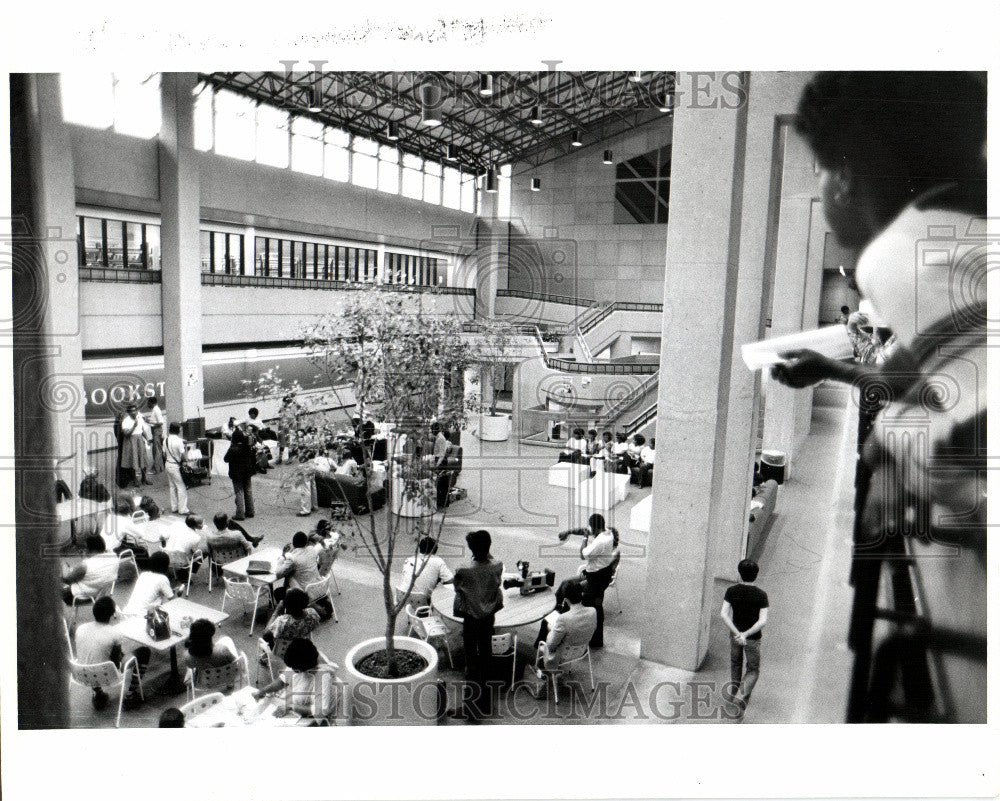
{"x": 196, "y": 558}
{"x": 233, "y": 676}
{"x": 84, "y": 600}
{"x": 321, "y": 589}
{"x": 244, "y": 592}
{"x": 327, "y": 559}
{"x": 107, "y": 674}
{"x": 613, "y": 583}
{"x": 199, "y": 705}
{"x": 127, "y": 556}
{"x": 69, "y": 639}
{"x": 504, "y": 645}
{"x": 427, "y": 626}
{"x": 217, "y": 557}
{"x": 568, "y": 655}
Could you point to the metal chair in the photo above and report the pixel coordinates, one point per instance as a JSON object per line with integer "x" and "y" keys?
{"x": 504, "y": 645}
{"x": 217, "y": 557}
{"x": 427, "y": 626}
{"x": 107, "y": 674}
{"x": 321, "y": 589}
{"x": 127, "y": 555}
{"x": 568, "y": 655}
{"x": 196, "y": 558}
{"x": 244, "y": 592}
{"x": 199, "y": 705}
{"x": 107, "y": 589}
{"x": 233, "y": 676}
{"x": 613, "y": 583}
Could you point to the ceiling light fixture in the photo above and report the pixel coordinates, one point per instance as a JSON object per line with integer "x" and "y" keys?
{"x": 392, "y": 131}
{"x": 430, "y": 105}
{"x": 577, "y": 139}
{"x": 667, "y": 105}
{"x": 536, "y": 115}
{"x": 315, "y": 99}
{"x": 492, "y": 184}
{"x": 609, "y": 157}
{"x": 451, "y": 153}
{"x": 486, "y": 84}
{"x": 636, "y": 77}
{"x": 536, "y": 184}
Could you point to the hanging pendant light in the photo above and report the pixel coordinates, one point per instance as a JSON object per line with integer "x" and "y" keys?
{"x": 492, "y": 184}
{"x": 536, "y": 115}
{"x": 315, "y": 99}
{"x": 392, "y": 131}
{"x": 430, "y": 105}
{"x": 577, "y": 139}
{"x": 451, "y": 153}
{"x": 536, "y": 184}
{"x": 667, "y": 106}
{"x": 609, "y": 157}
{"x": 486, "y": 84}
{"x": 636, "y": 77}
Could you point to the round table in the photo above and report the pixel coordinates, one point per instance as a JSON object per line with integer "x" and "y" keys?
{"x": 518, "y": 610}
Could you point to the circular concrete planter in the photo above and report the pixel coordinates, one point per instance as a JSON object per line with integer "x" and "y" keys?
{"x": 411, "y": 701}
{"x": 494, "y": 428}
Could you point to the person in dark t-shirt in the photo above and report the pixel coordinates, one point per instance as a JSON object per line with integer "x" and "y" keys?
{"x": 744, "y": 611}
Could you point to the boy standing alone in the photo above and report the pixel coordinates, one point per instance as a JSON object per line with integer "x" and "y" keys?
{"x": 744, "y": 611}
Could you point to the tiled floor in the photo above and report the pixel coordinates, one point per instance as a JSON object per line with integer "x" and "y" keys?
{"x": 804, "y": 569}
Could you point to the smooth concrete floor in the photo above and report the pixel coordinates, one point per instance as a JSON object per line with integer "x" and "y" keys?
{"x": 804, "y": 567}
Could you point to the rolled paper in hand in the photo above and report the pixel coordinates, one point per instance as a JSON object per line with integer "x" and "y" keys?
{"x": 831, "y": 341}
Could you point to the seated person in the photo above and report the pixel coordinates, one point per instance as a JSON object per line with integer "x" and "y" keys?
{"x": 562, "y": 605}
{"x": 152, "y": 587}
{"x": 347, "y": 466}
{"x": 182, "y": 543}
{"x": 642, "y": 472}
{"x": 634, "y": 445}
{"x": 431, "y": 570}
{"x": 203, "y": 651}
{"x": 593, "y": 443}
{"x": 171, "y": 718}
{"x": 620, "y": 448}
{"x": 574, "y": 627}
{"x": 99, "y": 641}
{"x": 296, "y": 620}
{"x": 299, "y": 565}
{"x": 310, "y": 690}
{"x": 91, "y": 487}
{"x": 576, "y": 448}
{"x": 225, "y": 524}
{"x": 94, "y": 575}
{"x": 228, "y": 429}
{"x": 119, "y": 532}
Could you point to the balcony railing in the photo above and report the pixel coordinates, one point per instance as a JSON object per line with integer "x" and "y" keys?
{"x": 564, "y": 299}
{"x": 274, "y": 282}
{"x": 113, "y": 275}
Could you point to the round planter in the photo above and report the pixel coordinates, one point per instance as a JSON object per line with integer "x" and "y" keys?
{"x": 494, "y": 428}
{"x": 411, "y": 701}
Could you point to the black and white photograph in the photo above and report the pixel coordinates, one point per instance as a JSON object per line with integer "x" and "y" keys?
{"x": 449, "y": 402}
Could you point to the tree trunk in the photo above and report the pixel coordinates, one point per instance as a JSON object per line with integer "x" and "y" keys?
{"x": 390, "y": 627}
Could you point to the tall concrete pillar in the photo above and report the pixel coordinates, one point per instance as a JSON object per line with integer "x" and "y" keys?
{"x": 697, "y": 362}
{"x": 491, "y": 255}
{"x": 56, "y": 281}
{"x": 180, "y": 200}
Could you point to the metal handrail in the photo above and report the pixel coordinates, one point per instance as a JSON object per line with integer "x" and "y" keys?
{"x": 120, "y": 276}
{"x": 629, "y": 399}
{"x": 566, "y": 300}
{"x": 275, "y": 282}
{"x": 641, "y": 420}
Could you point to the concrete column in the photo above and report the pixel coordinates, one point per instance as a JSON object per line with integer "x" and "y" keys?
{"x": 53, "y": 252}
{"x": 180, "y": 199}
{"x": 699, "y": 346}
{"x": 795, "y": 299}
{"x": 491, "y": 256}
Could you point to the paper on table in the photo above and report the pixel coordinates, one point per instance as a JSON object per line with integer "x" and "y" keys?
{"x": 831, "y": 341}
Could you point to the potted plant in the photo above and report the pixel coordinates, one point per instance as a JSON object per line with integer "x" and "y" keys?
{"x": 404, "y": 367}
{"x": 493, "y": 343}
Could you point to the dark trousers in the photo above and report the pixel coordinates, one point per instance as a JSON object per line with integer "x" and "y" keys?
{"x": 477, "y": 638}
{"x": 244, "y": 497}
{"x": 597, "y": 583}
{"x": 744, "y": 681}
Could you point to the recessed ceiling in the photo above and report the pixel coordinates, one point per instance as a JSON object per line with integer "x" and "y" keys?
{"x": 482, "y": 129}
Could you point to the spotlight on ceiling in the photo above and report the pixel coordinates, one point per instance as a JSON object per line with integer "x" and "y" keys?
{"x": 536, "y": 184}
{"x": 636, "y": 77}
{"x": 430, "y": 105}
{"x": 392, "y": 131}
{"x": 492, "y": 184}
{"x": 609, "y": 157}
{"x": 536, "y": 115}
{"x": 577, "y": 139}
{"x": 486, "y": 84}
{"x": 451, "y": 153}
{"x": 667, "y": 106}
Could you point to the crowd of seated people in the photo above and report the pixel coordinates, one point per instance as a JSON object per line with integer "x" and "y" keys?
{"x": 612, "y": 453}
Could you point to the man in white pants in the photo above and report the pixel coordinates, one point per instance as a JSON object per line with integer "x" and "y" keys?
{"x": 173, "y": 455}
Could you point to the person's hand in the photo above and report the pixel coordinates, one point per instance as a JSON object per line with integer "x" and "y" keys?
{"x": 257, "y": 694}
{"x": 741, "y": 640}
{"x": 803, "y": 368}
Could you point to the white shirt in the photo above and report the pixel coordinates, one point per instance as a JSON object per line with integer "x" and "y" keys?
{"x": 576, "y": 445}
{"x": 174, "y": 450}
{"x": 647, "y": 455}
{"x": 600, "y": 552}
{"x": 102, "y": 570}
{"x": 115, "y": 528}
{"x": 322, "y": 464}
{"x": 183, "y": 540}
{"x": 619, "y": 448}
{"x": 157, "y": 417}
{"x": 434, "y": 571}
{"x": 151, "y": 589}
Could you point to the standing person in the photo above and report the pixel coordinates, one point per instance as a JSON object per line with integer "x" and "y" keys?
{"x": 477, "y": 600}
{"x": 601, "y": 555}
{"x": 173, "y": 455}
{"x": 135, "y": 434}
{"x": 744, "y": 611}
{"x": 158, "y": 428}
{"x": 242, "y": 466}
